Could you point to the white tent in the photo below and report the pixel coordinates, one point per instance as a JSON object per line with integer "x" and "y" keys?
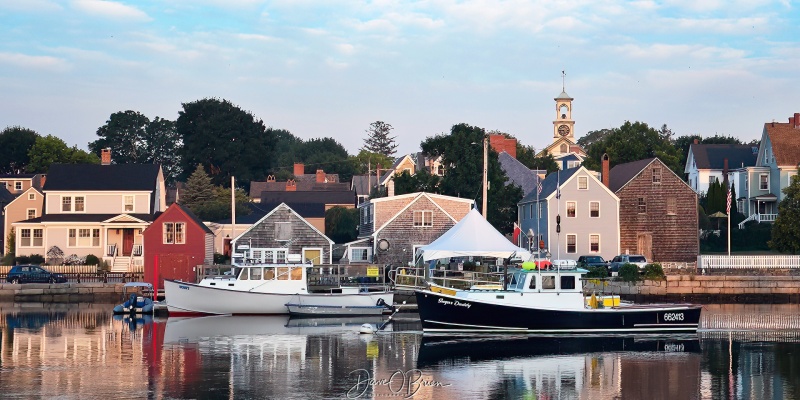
{"x": 472, "y": 236}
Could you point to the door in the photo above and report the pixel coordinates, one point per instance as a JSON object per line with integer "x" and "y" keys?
{"x": 312, "y": 255}
{"x": 127, "y": 241}
{"x": 645, "y": 245}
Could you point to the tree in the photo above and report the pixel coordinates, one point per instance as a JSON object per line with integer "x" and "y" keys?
{"x": 124, "y": 134}
{"x": 593, "y": 136}
{"x": 462, "y": 154}
{"x": 633, "y": 142}
{"x": 341, "y": 224}
{"x": 366, "y": 162}
{"x": 162, "y": 145}
{"x": 544, "y": 162}
{"x": 326, "y": 154}
{"x": 225, "y": 139}
{"x": 786, "y": 230}
{"x": 52, "y": 150}
{"x": 378, "y": 139}
{"x": 422, "y": 181}
{"x": 199, "y": 190}
{"x": 209, "y": 202}
{"x": 15, "y": 144}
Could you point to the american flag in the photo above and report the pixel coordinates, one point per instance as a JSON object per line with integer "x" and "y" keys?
{"x": 729, "y": 202}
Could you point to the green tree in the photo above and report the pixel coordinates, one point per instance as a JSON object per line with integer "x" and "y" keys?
{"x": 326, "y": 154}
{"x": 593, "y": 136}
{"x": 378, "y": 139}
{"x": 209, "y": 202}
{"x": 682, "y": 144}
{"x": 226, "y": 139}
{"x": 124, "y": 134}
{"x": 199, "y": 189}
{"x": 286, "y": 147}
{"x": 366, "y": 161}
{"x": 51, "y": 150}
{"x": 786, "y": 230}
{"x": 462, "y": 152}
{"x": 341, "y": 224}
{"x": 162, "y": 145}
{"x": 15, "y": 145}
{"x": 422, "y": 181}
{"x": 633, "y": 142}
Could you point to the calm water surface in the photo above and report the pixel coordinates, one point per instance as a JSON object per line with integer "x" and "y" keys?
{"x": 82, "y": 352}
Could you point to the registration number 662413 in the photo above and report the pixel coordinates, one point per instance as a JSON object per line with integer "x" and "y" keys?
{"x": 672, "y": 317}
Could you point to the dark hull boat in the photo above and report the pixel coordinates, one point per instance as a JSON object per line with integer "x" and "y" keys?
{"x": 440, "y": 312}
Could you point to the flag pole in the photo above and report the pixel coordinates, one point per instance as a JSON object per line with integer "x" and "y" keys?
{"x": 729, "y": 223}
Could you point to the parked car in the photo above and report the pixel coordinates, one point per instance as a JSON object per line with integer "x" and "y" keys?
{"x": 593, "y": 261}
{"x": 33, "y": 273}
{"x": 622, "y": 259}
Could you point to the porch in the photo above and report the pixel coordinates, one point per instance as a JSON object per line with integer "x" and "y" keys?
{"x": 124, "y": 248}
{"x": 765, "y": 207}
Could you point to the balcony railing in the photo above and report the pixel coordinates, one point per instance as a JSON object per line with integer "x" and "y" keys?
{"x": 137, "y": 250}
{"x": 112, "y": 250}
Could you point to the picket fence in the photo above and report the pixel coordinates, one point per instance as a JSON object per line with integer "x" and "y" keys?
{"x": 61, "y": 269}
{"x": 756, "y": 262}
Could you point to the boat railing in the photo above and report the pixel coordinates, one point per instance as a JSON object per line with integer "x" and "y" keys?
{"x": 322, "y": 276}
{"x": 414, "y": 278}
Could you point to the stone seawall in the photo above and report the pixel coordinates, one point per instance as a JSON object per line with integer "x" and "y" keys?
{"x": 61, "y": 292}
{"x": 706, "y": 289}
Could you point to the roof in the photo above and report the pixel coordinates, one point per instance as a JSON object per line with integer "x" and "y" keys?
{"x": 286, "y": 207}
{"x": 550, "y": 183}
{"x": 518, "y": 173}
{"x": 75, "y": 217}
{"x": 361, "y": 184}
{"x": 128, "y": 177}
{"x": 257, "y": 187}
{"x": 259, "y": 210}
{"x": 5, "y": 196}
{"x": 785, "y": 142}
{"x": 563, "y": 96}
{"x": 17, "y": 176}
{"x": 323, "y": 197}
{"x": 193, "y": 217}
{"x": 623, "y": 173}
{"x": 712, "y": 156}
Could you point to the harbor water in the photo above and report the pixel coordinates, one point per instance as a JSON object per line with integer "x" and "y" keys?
{"x": 81, "y": 351}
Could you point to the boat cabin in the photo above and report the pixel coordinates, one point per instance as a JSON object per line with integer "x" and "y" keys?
{"x": 264, "y": 278}
{"x": 555, "y": 281}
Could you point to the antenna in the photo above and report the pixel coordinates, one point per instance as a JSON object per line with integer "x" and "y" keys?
{"x": 563, "y": 81}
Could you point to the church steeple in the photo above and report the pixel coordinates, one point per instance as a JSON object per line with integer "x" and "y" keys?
{"x": 563, "y": 125}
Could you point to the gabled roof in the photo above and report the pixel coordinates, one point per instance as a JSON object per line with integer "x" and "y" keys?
{"x": 76, "y": 217}
{"x": 573, "y": 147}
{"x": 416, "y": 197}
{"x": 257, "y": 187}
{"x": 518, "y": 173}
{"x": 5, "y": 196}
{"x": 550, "y": 183}
{"x": 621, "y": 174}
{"x": 785, "y": 142}
{"x": 125, "y": 177}
{"x": 319, "y": 197}
{"x": 259, "y": 210}
{"x": 193, "y": 217}
{"x": 712, "y": 156}
{"x": 282, "y": 206}
{"x": 17, "y": 176}
{"x": 20, "y": 196}
{"x": 361, "y": 184}
{"x": 390, "y": 173}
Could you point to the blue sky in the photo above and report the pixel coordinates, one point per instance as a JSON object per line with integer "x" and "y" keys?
{"x": 330, "y": 68}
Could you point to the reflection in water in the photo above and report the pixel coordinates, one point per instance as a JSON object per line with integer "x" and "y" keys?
{"x": 81, "y": 351}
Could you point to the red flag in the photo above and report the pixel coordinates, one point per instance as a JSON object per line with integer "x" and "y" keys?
{"x": 729, "y": 202}
{"x": 517, "y": 231}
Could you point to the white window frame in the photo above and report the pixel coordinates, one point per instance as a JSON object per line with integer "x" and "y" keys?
{"x": 657, "y": 175}
{"x": 366, "y": 253}
{"x": 31, "y": 196}
{"x": 761, "y": 183}
{"x": 583, "y": 183}
{"x": 66, "y": 207}
{"x": 575, "y": 237}
{"x": 180, "y": 238}
{"x": 575, "y": 211}
{"x": 591, "y": 236}
{"x": 76, "y": 240}
{"x": 321, "y": 254}
{"x": 168, "y": 233}
{"x": 423, "y": 222}
{"x": 73, "y": 202}
{"x": 592, "y": 203}
{"x": 125, "y": 203}
{"x": 641, "y": 205}
{"x": 414, "y": 251}
{"x": 272, "y": 252}
{"x": 31, "y": 239}
{"x": 28, "y": 213}
{"x": 18, "y": 185}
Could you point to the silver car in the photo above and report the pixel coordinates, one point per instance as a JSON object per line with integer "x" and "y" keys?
{"x": 622, "y": 259}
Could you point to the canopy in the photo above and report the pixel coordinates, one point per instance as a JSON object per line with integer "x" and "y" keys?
{"x": 472, "y": 236}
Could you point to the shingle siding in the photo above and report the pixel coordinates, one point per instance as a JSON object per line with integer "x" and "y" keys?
{"x": 262, "y": 235}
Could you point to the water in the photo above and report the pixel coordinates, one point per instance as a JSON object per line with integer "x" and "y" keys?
{"x": 82, "y": 352}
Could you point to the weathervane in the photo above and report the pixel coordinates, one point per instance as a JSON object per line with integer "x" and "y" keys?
{"x": 563, "y": 78}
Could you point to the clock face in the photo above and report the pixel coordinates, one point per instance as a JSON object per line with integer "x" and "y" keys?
{"x": 563, "y": 130}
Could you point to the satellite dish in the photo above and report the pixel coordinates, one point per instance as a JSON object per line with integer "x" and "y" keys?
{"x": 383, "y": 244}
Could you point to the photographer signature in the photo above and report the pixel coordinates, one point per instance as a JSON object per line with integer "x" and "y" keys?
{"x": 400, "y": 383}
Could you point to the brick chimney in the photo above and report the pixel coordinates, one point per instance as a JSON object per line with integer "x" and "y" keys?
{"x": 105, "y": 156}
{"x": 500, "y": 143}
{"x": 321, "y": 177}
{"x": 605, "y": 171}
{"x": 299, "y": 169}
{"x": 42, "y": 181}
{"x": 797, "y": 120}
{"x": 291, "y": 185}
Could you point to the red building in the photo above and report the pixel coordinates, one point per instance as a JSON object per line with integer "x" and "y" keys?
{"x": 180, "y": 241}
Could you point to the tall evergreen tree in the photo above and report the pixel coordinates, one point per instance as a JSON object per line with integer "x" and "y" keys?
{"x": 199, "y": 190}
{"x": 786, "y": 230}
{"x": 379, "y": 140}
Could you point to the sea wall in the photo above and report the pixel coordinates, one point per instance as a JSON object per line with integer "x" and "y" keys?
{"x": 706, "y": 289}
{"x": 61, "y": 292}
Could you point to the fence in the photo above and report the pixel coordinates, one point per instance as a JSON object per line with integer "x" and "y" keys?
{"x": 712, "y": 262}
{"x": 94, "y": 277}
{"x": 59, "y": 269}
{"x": 750, "y": 322}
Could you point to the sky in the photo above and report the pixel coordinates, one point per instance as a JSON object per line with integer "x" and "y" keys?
{"x": 329, "y": 68}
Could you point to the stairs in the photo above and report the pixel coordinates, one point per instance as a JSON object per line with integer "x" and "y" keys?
{"x": 121, "y": 264}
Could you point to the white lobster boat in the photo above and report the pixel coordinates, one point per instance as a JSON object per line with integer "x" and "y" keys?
{"x": 264, "y": 289}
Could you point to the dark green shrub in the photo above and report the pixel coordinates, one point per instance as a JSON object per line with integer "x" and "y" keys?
{"x": 629, "y": 272}
{"x": 597, "y": 272}
{"x": 221, "y": 259}
{"x": 22, "y": 260}
{"x": 36, "y": 259}
{"x": 654, "y": 272}
{"x": 7, "y": 259}
{"x": 92, "y": 259}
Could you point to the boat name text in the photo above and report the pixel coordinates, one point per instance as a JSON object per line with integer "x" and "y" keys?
{"x": 677, "y": 316}
{"x": 183, "y": 287}
{"x": 454, "y": 303}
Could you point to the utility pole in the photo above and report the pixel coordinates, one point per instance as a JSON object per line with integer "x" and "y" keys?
{"x": 485, "y": 167}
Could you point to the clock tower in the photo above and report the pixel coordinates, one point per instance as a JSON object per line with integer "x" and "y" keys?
{"x": 564, "y": 126}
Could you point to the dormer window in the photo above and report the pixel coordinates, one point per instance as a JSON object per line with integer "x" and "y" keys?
{"x": 73, "y": 204}
{"x": 18, "y": 185}
{"x": 128, "y": 204}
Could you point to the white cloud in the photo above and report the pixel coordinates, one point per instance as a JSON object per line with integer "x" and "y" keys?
{"x": 739, "y": 26}
{"x": 257, "y": 37}
{"x": 336, "y": 64}
{"x": 346, "y": 48}
{"x": 662, "y": 51}
{"x": 30, "y": 5}
{"x": 37, "y": 62}
{"x": 111, "y": 9}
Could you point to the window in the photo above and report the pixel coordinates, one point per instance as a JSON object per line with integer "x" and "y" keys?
{"x": 31, "y": 213}
{"x": 180, "y": 232}
{"x": 583, "y": 183}
{"x": 548, "y": 281}
{"x": 657, "y": 175}
{"x": 83, "y": 237}
{"x": 31, "y": 237}
{"x": 423, "y": 218}
{"x": 642, "y": 206}
{"x": 533, "y": 209}
{"x": 359, "y": 254}
{"x": 18, "y": 185}
{"x": 567, "y": 282}
{"x": 532, "y": 285}
{"x": 79, "y": 204}
{"x": 711, "y": 180}
{"x": 672, "y": 206}
{"x": 594, "y": 243}
{"x": 31, "y": 196}
{"x": 564, "y": 148}
{"x": 573, "y": 164}
{"x": 174, "y": 233}
{"x": 169, "y": 233}
{"x": 128, "y": 204}
{"x": 541, "y": 209}
{"x": 571, "y": 209}
{"x": 66, "y": 204}
{"x": 283, "y": 231}
{"x": 572, "y": 244}
{"x": 763, "y": 181}
{"x": 594, "y": 209}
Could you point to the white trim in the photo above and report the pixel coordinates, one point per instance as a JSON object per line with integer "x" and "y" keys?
{"x": 321, "y": 254}
{"x": 72, "y": 203}
{"x": 663, "y": 167}
{"x": 17, "y": 183}
{"x": 133, "y": 203}
{"x": 30, "y": 237}
{"x": 350, "y": 254}
{"x": 599, "y": 243}
{"x": 759, "y": 180}
{"x": 418, "y": 196}
{"x": 269, "y": 214}
{"x": 91, "y": 230}
{"x": 575, "y": 214}
{"x": 27, "y": 213}
{"x": 586, "y": 179}
{"x": 598, "y": 209}
{"x": 31, "y": 196}
{"x": 577, "y": 173}
{"x": 566, "y": 243}
{"x": 97, "y": 192}
{"x": 424, "y": 223}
